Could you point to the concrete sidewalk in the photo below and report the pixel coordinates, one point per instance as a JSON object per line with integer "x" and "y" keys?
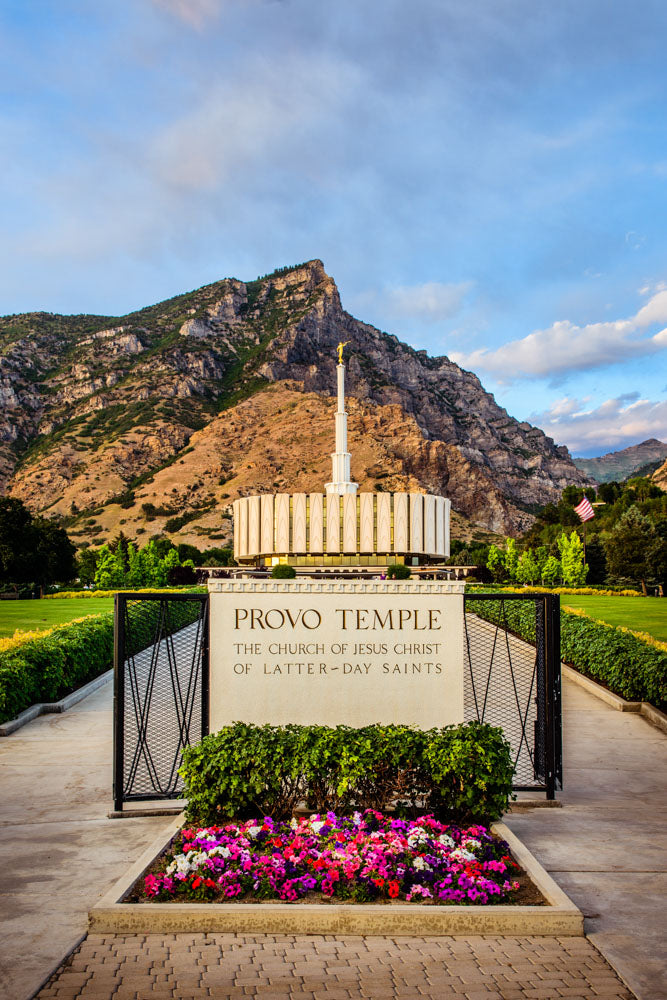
{"x": 58, "y": 850}
{"x": 60, "y": 853}
{"x": 607, "y": 846}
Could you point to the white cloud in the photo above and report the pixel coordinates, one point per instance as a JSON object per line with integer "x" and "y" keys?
{"x": 564, "y": 347}
{"x": 429, "y": 302}
{"x": 613, "y": 424}
{"x": 432, "y": 301}
{"x": 194, "y": 12}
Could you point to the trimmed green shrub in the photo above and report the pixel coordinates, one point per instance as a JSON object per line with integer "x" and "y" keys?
{"x": 47, "y": 666}
{"x": 462, "y": 773}
{"x": 398, "y": 571}
{"x": 616, "y": 658}
{"x": 283, "y": 572}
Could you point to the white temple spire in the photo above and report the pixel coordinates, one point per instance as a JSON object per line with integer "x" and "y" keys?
{"x": 340, "y": 459}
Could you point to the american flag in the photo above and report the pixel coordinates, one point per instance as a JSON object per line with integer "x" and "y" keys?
{"x": 585, "y": 510}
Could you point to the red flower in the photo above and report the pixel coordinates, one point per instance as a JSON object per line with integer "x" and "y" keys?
{"x": 277, "y": 842}
{"x": 379, "y": 882}
{"x": 394, "y": 889}
{"x": 209, "y": 882}
{"x": 196, "y": 883}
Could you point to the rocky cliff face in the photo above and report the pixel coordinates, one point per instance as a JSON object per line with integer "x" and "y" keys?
{"x": 167, "y": 414}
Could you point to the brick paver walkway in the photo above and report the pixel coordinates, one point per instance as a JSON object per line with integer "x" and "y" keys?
{"x": 194, "y": 966}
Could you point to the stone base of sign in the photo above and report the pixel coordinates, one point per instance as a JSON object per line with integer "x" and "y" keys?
{"x": 558, "y": 918}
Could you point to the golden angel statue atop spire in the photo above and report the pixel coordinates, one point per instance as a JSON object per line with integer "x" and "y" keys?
{"x": 340, "y": 350}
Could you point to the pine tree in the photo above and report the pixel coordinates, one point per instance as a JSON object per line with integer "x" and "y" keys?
{"x": 629, "y": 547}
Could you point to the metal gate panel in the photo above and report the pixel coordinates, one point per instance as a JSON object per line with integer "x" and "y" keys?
{"x": 161, "y": 691}
{"x": 512, "y": 679}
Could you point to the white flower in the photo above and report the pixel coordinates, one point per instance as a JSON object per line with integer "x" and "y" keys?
{"x": 317, "y": 826}
{"x": 180, "y": 864}
{"x": 223, "y": 851}
{"x": 421, "y": 865}
{"x": 445, "y": 839}
{"x": 357, "y": 818}
{"x": 252, "y": 831}
{"x": 471, "y": 844}
{"x": 197, "y": 858}
{"x": 460, "y": 854}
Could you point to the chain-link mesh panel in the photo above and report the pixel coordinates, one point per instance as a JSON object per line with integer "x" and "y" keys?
{"x": 160, "y": 706}
{"x": 505, "y": 677}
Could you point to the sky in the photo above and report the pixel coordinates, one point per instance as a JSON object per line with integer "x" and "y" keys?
{"x": 485, "y": 180}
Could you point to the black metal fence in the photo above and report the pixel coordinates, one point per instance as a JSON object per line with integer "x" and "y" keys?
{"x": 161, "y": 691}
{"x": 512, "y": 680}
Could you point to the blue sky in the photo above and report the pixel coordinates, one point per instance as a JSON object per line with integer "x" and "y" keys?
{"x": 486, "y": 180}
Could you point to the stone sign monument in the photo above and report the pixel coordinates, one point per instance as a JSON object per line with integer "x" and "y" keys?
{"x": 335, "y": 651}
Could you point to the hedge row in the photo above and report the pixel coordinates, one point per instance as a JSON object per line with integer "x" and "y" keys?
{"x": 76, "y": 594}
{"x": 47, "y": 666}
{"x": 525, "y": 589}
{"x": 461, "y": 773}
{"x": 613, "y": 656}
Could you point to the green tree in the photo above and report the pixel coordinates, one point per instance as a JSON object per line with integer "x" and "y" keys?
{"x": 511, "y": 559}
{"x": 136, "y": 570}
{"x": 170, "y": 562}
{"x": 596, "y": 561}
{"x": 217, "y": 557}
{"x": 110, "y": 571}
{"x": 541, "y": 556}
{"x": 33, "y": 548}
{"x": 495, "y": 563}
{"x": 527, "y": 570}
{"x": 17, "y": 542}
{"x": 54, "y": 554}
{"x": 551, "y": 572}
{"x": 609, "y": 492}
{"x": 629, "y": 546}
{"x": 186, "y": 552}
{"x": 572, "y": 560}
{"x": 155, "y": 575}
{"x": 86, "y": 565}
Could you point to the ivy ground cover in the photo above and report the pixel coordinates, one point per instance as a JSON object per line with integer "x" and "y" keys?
{"x": 362, "y": 858}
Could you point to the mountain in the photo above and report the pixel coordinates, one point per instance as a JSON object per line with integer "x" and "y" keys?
{"x": 660, "y": 476}
{"x": 157, "y": 420}
{"x": 639, "y": 459}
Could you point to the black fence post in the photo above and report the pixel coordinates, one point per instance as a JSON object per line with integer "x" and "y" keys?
{"x": 205, "y": 666}
{"x": 118, "y": 699}
{"x": 556, "y": 691}
{"x": 541, "y": 697}
{"x": 552, "y": 669}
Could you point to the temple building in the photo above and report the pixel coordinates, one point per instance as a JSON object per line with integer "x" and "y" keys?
{"x": 341, "y": 527}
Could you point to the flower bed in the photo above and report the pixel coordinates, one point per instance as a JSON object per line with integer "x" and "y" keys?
{"x": 362, "y": 858}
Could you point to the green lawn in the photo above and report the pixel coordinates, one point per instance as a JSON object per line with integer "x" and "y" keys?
{"x": 29, "y": 615}
{"x": 642, "y": 614}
